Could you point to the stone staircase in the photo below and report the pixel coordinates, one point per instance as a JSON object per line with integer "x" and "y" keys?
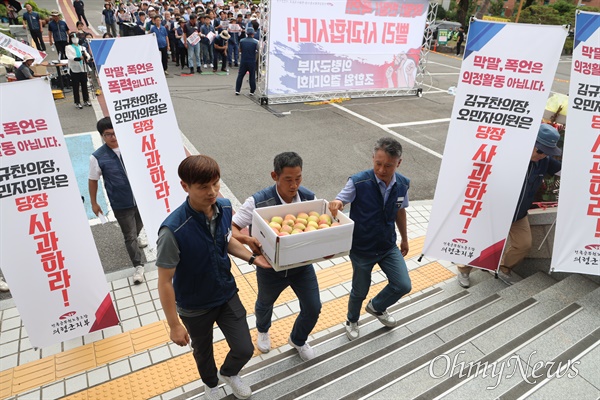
{"x": 540, "y": 339}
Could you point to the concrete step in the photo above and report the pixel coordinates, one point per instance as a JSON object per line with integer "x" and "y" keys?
{"x": 556, "y": 306}
{"x": 515, "y": 299}
{"x": 260, "y": 374}
{"x": 575, "y": 339}
{"x": 291, "y": 378}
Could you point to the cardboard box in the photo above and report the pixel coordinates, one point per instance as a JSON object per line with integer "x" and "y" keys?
{"x": 285, "y": 252}
{"x": 39, "y": 70}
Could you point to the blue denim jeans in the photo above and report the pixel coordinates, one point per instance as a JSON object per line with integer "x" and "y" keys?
{"x": 205, "y": 53}
{"x": 303, "y": 282}
{"x": 393, "y": 266}
{"x": 194, "y": 55}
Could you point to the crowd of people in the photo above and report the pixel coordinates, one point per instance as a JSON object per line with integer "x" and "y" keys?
{"x": 197, "y": 35}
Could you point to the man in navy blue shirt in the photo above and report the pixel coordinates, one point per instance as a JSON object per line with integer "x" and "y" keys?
{"x": 249, "y": 48}
{"x": 379, "y": 198}
{"x": 162, "y": 38}
{"x": 31, "y": 19}
{"x": 195, "y": 283}
{"x": 80, "y": 11}
{"x": 58, "y": 33}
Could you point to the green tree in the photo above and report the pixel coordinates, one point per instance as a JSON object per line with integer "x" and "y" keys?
{"x": 496, "y": 8}
{"x": 462, "y": 12}
{"x": 544, "y": 15}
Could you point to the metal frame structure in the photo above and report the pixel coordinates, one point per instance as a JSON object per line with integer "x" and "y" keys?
{"x": 263, "y": 70}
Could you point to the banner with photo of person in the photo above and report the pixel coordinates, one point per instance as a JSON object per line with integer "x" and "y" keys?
{"x": 500, "y": 98}
{"x": 320, "y": 46}
{"x": 577, "y": 239}
{"x": 48, "y": 255}
{"x": 142, "y": 114}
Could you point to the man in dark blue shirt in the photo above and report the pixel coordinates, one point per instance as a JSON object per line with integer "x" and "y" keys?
{"x": 58, "y": 33}
{"x": 519, "y": 236}
{"x": 162, "y": 38}
{"x": 379, "y": 198}
{"x": 249, "y": 48}
{"x": 31, "y": 19}
{"x": 195, "y": 283}
{"x": 80, "y": 11}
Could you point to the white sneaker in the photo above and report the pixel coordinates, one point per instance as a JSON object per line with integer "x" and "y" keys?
{"x": 3, "y": 286}
{"x": 240, "y": 389}
{"x": 211, "y": 393}
{"x": 352, "y": 331}
{"x": 383, "y": 317}
{"x": 263, "y": 342}
{"x": 138, "y": 275}
{"x": 212, "y": 66}
{"x": 142, "y": 242}
{"x": 206, "y": 66}
{"x": 306, "y": 352}
{"x": 463, "y": 279}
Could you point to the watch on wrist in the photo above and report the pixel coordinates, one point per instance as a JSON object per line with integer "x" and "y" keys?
{"x": 251, "y": 260}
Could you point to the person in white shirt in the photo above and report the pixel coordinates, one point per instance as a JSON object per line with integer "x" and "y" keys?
{"x": 78, "y": 58}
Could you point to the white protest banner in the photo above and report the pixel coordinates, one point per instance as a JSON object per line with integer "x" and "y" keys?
{"x": 20, "y": 49}
{"x": 234, "y": 28}
{"x": 501, "y": 95}
{"x": 317, "y": 46}
{"x": 211, "y": 36}
{"x": 577, "y": 240}
{"x": 140, "y": 107}
{"x": 48, "y": 255}
{"x": 193, "y": 39}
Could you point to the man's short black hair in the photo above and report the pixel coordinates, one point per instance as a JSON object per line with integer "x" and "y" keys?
{"x": 103, "y": 125}
{"x": 392, "y": 147}
{"x": 287, "y": 159}
{"x": 198, "y": 169}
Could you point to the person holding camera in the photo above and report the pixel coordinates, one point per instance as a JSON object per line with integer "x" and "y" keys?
{"x": 77, "y": 58}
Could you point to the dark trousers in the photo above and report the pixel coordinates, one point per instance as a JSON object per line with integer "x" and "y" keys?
{"x": 303, "y": 282}
{"x": 246, "y": 67}
{"x": 164, "y": 58}
{"x": 233, "y": 53}
{"x": 182, "y": 55}
{"x": 173, "y": 46}
{"x": 38, "y": 39}
{"x": 219, "y": 54}
{"x": 79, "y": 79}
{"x": 231, "y": 319}
{"x": 60, "y": 49}
{"x": 131, "y": 224}
{"x": 458, "y": 47}
{"x": 81, "y": 17}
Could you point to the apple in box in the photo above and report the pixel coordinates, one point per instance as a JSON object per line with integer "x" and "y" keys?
{"x": 315, "y": 235}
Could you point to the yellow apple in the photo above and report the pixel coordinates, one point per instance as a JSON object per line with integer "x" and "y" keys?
{"x": 275, "y": 225}
{"x": 299, "y": 226}
{"x": 279, "y": 220}
{"x": 302, "y": 215}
